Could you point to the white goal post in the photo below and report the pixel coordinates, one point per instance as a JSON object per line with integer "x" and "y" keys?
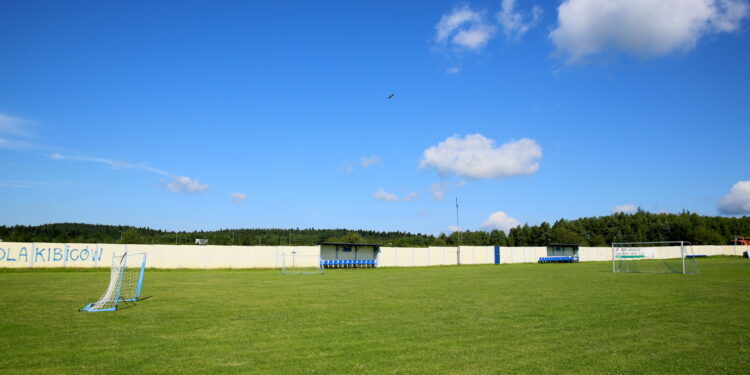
{"x": 654, "y": 257}
{"x": 294, "y": 263}
{"x": 125, "y": 282}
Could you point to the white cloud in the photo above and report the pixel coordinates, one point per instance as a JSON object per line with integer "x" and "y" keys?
{"x": 500, "y": 220}
{"x": 411, "y": 196}
{"x": 118, "y": 164}
{"x": 628, "y": 208}
{"x": 10, "y": 143}
{"x": 237, "y": 198}
{"x": 177, "y": 185}
{"x": 476, "y": 156}
{"x": 14, "y": 126}
{"x": 13, "y": 131}
{"x": 438, "y": 190}
{"x": 737, "y": 202}
{"x": 513, "y": 23}
{"x": 186, "y": 184}
{"x": 464, "y": 28}
{"x": 474, "y": 38}
{"x": 366, "y": 161}
{"x": 382, "y": 195}
{"x": 453, "y": 70}
{"x": 453, "y": 228}
{"x": 642, "y": 28}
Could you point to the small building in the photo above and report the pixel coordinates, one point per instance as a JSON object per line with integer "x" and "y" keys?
{"x": 562, "y": 250}
{"x": 348, "y": 251}
{"x": 201, "y": 241}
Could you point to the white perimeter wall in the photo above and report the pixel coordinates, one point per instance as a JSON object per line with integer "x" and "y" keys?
{"x": 25, "y": 255}
{"x": 20, "y": 255}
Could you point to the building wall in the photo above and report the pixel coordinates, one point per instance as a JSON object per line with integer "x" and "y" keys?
{"x": 25, "y": 255}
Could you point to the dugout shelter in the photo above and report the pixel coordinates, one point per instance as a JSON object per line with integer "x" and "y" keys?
{"x": 351, "y": 254}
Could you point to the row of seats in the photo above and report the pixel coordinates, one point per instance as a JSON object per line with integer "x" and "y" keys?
{"x": 566, "y": 259}
{"x": 348, "y": 263}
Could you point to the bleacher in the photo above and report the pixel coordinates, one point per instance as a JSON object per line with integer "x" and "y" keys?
{"x": 560, "y": 259}
{"x": 348, "y": 263}
{"x": 696, "y": 256}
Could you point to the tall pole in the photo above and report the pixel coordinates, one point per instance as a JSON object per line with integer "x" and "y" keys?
{"x": 458, "y": 228}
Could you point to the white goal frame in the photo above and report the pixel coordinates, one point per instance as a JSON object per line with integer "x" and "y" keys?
{"x": 686, "y": 253}
{"x": 125, "y": 283}
{"x": 290, "y": 264}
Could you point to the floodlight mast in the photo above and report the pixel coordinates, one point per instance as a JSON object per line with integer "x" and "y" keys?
{"x": 458, "y": 228}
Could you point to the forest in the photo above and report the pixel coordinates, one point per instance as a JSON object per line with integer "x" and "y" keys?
{"x": 590, "y": 231}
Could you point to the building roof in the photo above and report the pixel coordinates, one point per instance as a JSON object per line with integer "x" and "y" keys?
{"x": 565, "y": 244}
{"x": 349, "y": 244}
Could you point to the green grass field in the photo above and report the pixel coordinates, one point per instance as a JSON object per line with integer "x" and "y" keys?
{"x": 509, "y": 319}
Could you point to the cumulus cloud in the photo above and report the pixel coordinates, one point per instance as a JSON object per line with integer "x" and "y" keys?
{"x": 628, "y": 208}
{"x": 411, "y": 196}
{"x": 177, "y": 184}
{"x": 382, "y": 195}
{"x": 453, "y": 228}
{"x": 513, "y": 22}
{"x": 453, "y": 70}
{"x": 366, "y": 161}
{"x": 737, "y": 202}
{"x": 438, "y": 189}
{"x": 237, "y": 198}
{"x": 500, "y": 220}
{"x": 464, "y": 28}
{"x": 641, "y": 28}
{"x": 476, "y": 156}
{"x": 186, "y": 184}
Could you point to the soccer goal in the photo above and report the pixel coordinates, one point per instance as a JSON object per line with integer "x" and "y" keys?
{"x": 125, "y": 282}
{"x": 300, "y": 264}
{"x": 654, "y": 257}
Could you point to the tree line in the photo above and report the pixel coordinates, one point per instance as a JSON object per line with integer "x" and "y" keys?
{"x": 591, "y": 231}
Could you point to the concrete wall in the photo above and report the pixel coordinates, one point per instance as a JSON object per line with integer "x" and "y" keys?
{"x": 25, "y": 255}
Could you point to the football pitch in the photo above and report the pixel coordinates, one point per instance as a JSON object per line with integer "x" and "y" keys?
{"x": 508, "y": 319}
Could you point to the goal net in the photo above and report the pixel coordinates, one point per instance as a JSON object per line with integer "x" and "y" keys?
{"x": 125, "y": 282}
{"x": 654, "y": 257}
{"x": 300, "y": 264}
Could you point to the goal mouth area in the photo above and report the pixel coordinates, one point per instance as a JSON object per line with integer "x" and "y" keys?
{"x": 125, "y": 283}
{"x": 301, "y": 264}
{"x": 654, "y": 257}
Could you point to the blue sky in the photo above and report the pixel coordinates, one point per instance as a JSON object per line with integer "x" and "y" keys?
{"x": 204, "y": 115}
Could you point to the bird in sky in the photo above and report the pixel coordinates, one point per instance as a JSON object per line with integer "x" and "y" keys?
{"x": 391, "y": 96}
